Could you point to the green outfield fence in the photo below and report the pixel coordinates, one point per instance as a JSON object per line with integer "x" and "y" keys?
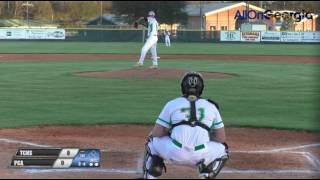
{"x": 139, "y": 35}
{"x": 136, "y": 35}
{"x": 97, "y": 35}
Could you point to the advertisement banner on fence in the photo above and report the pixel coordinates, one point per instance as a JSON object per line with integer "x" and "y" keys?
{"x": 250, "y": 36}
{"x": 271, "y": 36}
{"x": 230, "y": 36}
{"x": 11, "y": 33}
{"x": 45, "y": 33}
{"x": 310, "y": 36}
{"x": 291, "y": 37}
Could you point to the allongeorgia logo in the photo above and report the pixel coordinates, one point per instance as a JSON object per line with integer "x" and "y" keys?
{"x": 268, "y": 14}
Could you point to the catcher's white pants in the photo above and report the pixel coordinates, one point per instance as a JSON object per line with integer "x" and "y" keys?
{"x": 167, "y": 40}
{"x": 166, "y": 149}
{"x": 151, "y": 44}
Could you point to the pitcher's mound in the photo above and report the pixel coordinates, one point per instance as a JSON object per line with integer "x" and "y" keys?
{"x": 143, "y": 73}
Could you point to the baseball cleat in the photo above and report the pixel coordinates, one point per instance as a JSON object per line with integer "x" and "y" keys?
{"x": 153, "y": 67}
{"x": 205, "y": 176}
{"x": 138, "y": 65}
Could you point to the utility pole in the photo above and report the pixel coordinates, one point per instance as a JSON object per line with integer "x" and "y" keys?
{"x": 27, "y": 5}
{"x": 248, "y": 9}
{"x": 28, "y": 12}
{"x": 8, "y": 9}
{"x": 101, "y": 13}
{"x": 201, "y": 19}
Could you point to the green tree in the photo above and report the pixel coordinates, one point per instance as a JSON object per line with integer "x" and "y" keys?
{"x": 10, "y": 9}
{"x": 287, "y": 24}
{"x": 171, "y": 12}
{"x": 166, "y": 11}
{"x": 41, "y": 10}
{"x": 74, "y": 12}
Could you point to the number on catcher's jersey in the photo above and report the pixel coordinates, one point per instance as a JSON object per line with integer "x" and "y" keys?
{"x": 200, "y": 111}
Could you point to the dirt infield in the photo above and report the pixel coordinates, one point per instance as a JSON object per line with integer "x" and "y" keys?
{"x": 143, "y": 73}
{"x": 78, "y": 57}
{"x": 255, "y": 153}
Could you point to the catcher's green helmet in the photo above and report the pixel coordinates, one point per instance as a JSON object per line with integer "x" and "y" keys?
{"x": 192, "y": 84}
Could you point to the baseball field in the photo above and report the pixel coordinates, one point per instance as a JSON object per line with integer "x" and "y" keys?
{"x": 87, "y": 94}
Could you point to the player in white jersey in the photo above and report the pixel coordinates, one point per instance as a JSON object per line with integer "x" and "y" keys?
{"x": 167, "y": 38}
{"x": 151, "y": 42}
{"x": 189, "y": 131}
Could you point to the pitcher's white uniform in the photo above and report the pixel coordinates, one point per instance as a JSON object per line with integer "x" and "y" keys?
{"x": 188, "y": 145}
{"x": 151, "y": 42}
{"x": 167, "y": 38}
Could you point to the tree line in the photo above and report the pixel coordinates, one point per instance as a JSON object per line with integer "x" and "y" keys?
{"x": 169, "y": 12}
{"x": 71, "y": 12}
{"x": 53, "y": 11}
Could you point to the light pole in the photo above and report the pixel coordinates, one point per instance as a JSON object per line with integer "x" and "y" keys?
{"x": 201, "y": 16}
{"x": 101, "y": 13}
{"x": 27, "y": 5}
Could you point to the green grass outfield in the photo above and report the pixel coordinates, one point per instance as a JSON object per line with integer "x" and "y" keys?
{"x": 177, "y": 48}
{"x": 265, "y": 94}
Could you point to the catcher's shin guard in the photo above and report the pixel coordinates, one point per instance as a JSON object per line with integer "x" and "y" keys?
{"x": 153, "y": 165}
{"x": 213, "y": 169}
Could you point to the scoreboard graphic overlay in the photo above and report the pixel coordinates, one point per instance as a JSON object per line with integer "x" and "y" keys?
{"x": 56, "y": 158}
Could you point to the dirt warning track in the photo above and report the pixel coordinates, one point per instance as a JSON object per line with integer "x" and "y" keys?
{"x": 82, "y": 57}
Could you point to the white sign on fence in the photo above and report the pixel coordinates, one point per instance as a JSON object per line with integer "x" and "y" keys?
{"x": 250, "y": 36}
{"x": 12, "y": 34}
{"x": 310, "y": 36}
{"x": 272, "y": 36}
{"x": 45, "y": 33}
{"x": 230, "y": 36}
{"x": 291, "y": 37}
{"x": 15, "y": 33}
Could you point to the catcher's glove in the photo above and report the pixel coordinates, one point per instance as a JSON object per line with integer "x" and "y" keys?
{"x": 136, "y": 24}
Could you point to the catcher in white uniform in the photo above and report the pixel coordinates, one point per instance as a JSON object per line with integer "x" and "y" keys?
{"x": 151, "y": 42}
{"x": 189, "y": 131}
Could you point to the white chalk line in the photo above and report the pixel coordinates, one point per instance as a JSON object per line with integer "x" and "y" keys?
{"x": 287, "y": 149}
{"x": 280, "y": 149}
{"x": 313, "y": 160}
{"x": 253, "y": 171}
{"x": 22, "y": 142}
{"x": 309, "y": 156}
{"x": 140, "y": 162}
{"x": 132, "y": 171}
{"x": 119, "y": 171}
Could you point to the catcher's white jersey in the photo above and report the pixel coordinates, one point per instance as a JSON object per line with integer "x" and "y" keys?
{"x": 188, "y": 145}
{"x": 178, "y": 110}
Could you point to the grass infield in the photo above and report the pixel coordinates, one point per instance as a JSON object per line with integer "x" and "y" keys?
{"x": 264, "y": 94}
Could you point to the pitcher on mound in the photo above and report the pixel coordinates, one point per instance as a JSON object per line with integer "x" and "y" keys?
{"x": 152, "y": 39}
